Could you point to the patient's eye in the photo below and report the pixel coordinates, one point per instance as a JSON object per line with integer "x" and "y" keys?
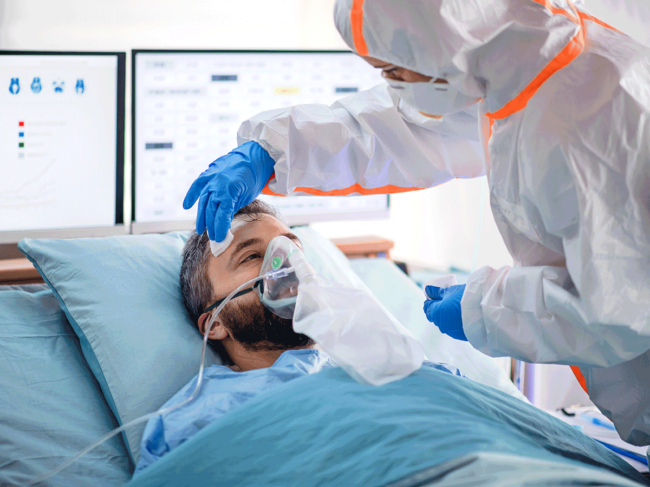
{"x": 253, "y": 256}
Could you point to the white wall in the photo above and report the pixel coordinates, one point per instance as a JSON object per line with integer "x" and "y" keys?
{"x": 436, "y": 228}
{"x": 439, "y": 227}
{"x": 629, "y": 16}
{"x": 552, "y": 387}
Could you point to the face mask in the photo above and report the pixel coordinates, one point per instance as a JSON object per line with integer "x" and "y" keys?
{"x": 279, "y": 294}
{"x": 432, "y": 98}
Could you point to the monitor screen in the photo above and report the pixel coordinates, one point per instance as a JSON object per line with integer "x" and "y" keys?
{"x": 188, "y": 106}
{"x": 61, "y": 144}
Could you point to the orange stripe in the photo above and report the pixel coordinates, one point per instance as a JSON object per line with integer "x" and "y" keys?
{"x": 556, "y": 10}
{"x": 437, "y": 117}
{"x": 585, "y": 16}
{"x": 580, "y": 377}
{"x": 356, "y": 21}
{"x": 268, "y": 190}
{"x": 568, "y": 54}
{"x": 356, "y": 188}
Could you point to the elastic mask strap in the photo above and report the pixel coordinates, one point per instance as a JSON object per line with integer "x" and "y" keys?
{"x": 240, "y": 293}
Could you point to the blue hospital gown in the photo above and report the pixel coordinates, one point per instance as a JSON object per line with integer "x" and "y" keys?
{"x": 222, "y": 391}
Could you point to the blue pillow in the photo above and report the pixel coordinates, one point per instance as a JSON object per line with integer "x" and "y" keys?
{"x": 122, "y": 297}
{"x": 51, "y": 406}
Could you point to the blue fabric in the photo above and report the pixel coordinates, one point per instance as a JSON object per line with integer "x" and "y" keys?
{"x": 51, "y": 406}
{"x": 327, "y": 430}
{"x": 222, "y": 391}
{"x": 122, "y": 297}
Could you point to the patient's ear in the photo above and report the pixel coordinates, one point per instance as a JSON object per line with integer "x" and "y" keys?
{"x": 218, "y": 331}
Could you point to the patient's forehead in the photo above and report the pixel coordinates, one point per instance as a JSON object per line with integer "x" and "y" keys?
{"x": 265, "y": 227}
{"x": 225, "y": 270}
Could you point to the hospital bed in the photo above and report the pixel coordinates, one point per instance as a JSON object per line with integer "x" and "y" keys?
{"x": 106, "y": 339}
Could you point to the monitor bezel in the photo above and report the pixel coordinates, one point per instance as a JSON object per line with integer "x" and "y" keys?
{"x": 170, "y": 225}
{"x": 119, "y": 227}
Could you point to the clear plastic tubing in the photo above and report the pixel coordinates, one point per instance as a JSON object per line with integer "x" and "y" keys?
{"x": 269, "y": 275}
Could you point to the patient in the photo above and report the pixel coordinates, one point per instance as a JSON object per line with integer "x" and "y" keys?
{"x": 263, "y": 348}
{"x": 429, "y": 419}
{"x": 245, "y": 333}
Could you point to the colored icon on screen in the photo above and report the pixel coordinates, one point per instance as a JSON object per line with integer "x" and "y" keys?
{"x": 21, "y": 145}
{"x": 21, "y": 124}
{"x": 21, "y": 134}
{"x": 36, "y": 85}
{"x": 79, "y": 87}
{"x": 58, "y": 85}
{"x": 14, "y": 86}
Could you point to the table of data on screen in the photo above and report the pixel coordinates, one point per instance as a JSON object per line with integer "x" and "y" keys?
{"x": 189, "y": 107}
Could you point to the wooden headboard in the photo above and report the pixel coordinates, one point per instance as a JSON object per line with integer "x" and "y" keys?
{"x": 21, "y": 271}
{"x": 18, "y": 271}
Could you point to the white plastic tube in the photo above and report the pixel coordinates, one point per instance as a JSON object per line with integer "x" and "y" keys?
{"x": 199, "y": 383}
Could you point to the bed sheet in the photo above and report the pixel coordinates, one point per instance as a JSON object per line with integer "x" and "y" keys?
{"x": 51, "y": 406}
{"x": 328, "y": 430}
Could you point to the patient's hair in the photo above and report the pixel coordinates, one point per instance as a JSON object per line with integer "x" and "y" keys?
{"x": 195, "y": 282}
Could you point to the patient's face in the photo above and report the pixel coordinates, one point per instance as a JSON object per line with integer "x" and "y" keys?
{"x": 248, "y": 321}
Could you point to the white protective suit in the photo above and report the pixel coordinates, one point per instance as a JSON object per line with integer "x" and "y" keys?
{"x": 565, "y": 126}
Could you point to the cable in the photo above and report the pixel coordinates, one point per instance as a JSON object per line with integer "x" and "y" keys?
{"x": 199, "y": 382}
{"x": 624, "y": 452}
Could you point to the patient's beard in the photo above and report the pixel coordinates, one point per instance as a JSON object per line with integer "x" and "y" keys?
{"x": 257, "y": 328}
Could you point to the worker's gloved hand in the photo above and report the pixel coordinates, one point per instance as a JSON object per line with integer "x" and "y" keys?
{"x": 228, "y": 184}
{"x": 443, "y": 309}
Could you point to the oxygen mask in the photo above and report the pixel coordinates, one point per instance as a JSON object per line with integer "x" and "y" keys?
{"x": 278, "y": 287}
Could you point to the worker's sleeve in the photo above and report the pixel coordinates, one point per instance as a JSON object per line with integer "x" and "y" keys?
{"x": 535, "y": 314}
{"x": 368, "y": 143}
{"x": 622, "y": 394}
{"x": 629, "y": 16}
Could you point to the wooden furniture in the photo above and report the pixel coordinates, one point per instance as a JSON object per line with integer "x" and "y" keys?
{"x": 18, "y": 271}
{"x": 366, "y": 246}
{"x": 21, "y": 271}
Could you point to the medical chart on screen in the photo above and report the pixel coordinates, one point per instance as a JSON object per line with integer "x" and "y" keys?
{"x": 189, "y": 107}
{"x": 57, "y": 141}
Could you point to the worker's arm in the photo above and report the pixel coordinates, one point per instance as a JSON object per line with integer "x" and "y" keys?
{"x": 536, "y": 314}
{"x": 368, "y": 143}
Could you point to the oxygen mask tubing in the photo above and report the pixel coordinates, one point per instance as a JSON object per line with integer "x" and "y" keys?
{"x": 277, "y": 288}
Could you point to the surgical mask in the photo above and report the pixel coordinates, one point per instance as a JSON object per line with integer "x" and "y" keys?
{"x": 432, "y": 97}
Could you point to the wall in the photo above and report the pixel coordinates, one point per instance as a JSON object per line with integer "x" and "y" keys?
{"x": 551, "y": 387}
{"x": 436, "y": 228}
{"x": 629, "y": 16}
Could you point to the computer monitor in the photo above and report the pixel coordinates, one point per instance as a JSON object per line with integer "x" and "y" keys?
{"x": 61, "y": 144}
{"x": 188, "y": 105}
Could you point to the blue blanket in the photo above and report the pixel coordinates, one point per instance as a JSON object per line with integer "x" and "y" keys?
{"x": 327, "y": 430}
{"x": 222, "y": 391}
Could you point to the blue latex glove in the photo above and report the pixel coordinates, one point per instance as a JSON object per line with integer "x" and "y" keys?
{"x": 228, "y": 184}
{"x": 443, "y": 309}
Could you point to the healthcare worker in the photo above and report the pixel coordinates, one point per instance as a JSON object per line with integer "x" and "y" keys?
{"x": 563, "y": 128}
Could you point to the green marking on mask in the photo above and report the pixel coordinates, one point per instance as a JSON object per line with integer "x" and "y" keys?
{"x": 276, "y": 262}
